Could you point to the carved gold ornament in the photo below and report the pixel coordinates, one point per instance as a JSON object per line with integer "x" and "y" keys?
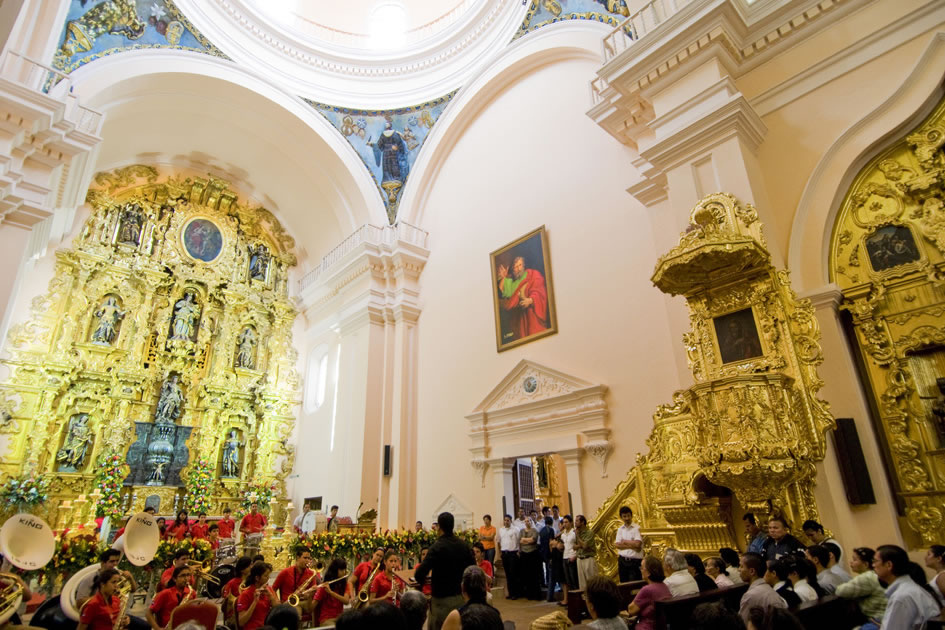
{"x": 752, "y": 427}
{"x": 156, "y": 313}
{"x": 887, "y": 256}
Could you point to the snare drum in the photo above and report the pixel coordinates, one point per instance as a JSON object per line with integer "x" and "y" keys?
{"x": 226, "y": 554}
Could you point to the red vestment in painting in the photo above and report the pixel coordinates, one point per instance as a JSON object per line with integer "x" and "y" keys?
{"x": 531, "y": 319}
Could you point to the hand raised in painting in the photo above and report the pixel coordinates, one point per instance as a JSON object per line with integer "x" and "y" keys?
{"x": 503, "y": 272}
{"x": 526, "y": 302}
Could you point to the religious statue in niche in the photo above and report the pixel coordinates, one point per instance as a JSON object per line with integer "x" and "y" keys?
{"x": 390, "y": 153}
{"x": 246, "y": 349}
{"x": 109, "y": 314}
{"x": 76, "y": 445}
{"x": 231, "y": 455}
{"x": 541, "y": 471}
{"x": 938, "y": 411}
{"x": 184, "y": 324}
{"x": 132, "y": 221}
{"x": 169, "y": 402}
{"x": 259, "y": 262}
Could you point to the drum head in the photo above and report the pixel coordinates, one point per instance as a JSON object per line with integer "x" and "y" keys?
{"x": 223, "y": 573}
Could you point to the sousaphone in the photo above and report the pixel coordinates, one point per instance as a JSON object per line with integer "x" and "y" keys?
{"x": 28, "y": 543}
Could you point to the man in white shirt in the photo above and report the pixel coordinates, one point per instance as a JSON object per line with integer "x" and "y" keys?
{"x": 678, "y": 579}
{"x": 908, "y": 606}
{"x": 507, "y": 542}
{"x": 834, "y": 565}
{"x": 304, "y": 523}
{"x": 556, "y": 519}
{"x": 629, "y": 544}
{"x": 519, "y": 522}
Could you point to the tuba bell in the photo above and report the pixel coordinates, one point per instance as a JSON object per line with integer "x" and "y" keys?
{"x": 28, "y": 543}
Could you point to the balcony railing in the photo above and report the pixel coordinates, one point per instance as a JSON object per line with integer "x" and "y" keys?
{"x": 387, "y": 235}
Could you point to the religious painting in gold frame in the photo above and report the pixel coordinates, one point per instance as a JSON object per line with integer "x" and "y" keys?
{"x": 522, "y": 291}
{"x": 202, "y": 239}
{"x": 736, "y": 336}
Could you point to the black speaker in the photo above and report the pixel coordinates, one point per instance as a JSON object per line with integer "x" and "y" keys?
{"x": 856, "y": 477}
{"x": 387, "y": 458}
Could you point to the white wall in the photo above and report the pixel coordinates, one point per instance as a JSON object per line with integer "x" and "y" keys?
{"x": 532, "y": 157}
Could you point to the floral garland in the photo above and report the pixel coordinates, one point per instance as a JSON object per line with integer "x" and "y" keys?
{"x": 109, "y": 480}
{"x": 327, "y": 545}
{"x": 199, "y": 487}
{"x": 24, "y": 492}
{"x": 260, "y": 494}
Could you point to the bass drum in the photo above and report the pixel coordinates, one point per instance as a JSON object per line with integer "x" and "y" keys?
{"x": 223, "y": 573}
{"x": 50, "y": 616}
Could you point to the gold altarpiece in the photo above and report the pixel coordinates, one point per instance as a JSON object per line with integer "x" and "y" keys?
{"x": 886, "y": 255}
{"x": 170, "y": 306}
{"x": 750, "y": 430}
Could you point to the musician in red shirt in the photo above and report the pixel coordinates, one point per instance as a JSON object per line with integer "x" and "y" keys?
{"x": 253, "y": 523}
{"x": 180, "y": 528}
{"x": 199, "y": 529}
{"x": 226, "y": 524}
{"x": 386, "y": 585}
{"x": 363, "y": 571}
{"x": 101, "y": 611}
{"x": 479, "y": 551}
{"x": 164, "y": 603}
{"x": 181, "y": 559}
{"x": 291, "y": 578}
{"x": 331, "y": 599}
{"x": 257, "y": 599}
{"x": 231, "y": 590}
{"x": 427, "y": 588}
{"x": 213, "y": 536}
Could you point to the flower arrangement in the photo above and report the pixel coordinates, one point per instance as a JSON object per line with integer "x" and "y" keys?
{"x": 22, "y": 493}
{"x": 74, "y": 553}
{"x": 327, "y": 545}
{"x": 199, "y": 487}
{"x": 108, "y": 479}
{"x": 260, "y": 494}
{"x": 199, "y": 550}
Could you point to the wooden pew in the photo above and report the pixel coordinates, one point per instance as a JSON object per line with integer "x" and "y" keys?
{"x": 830, "y": 612}
{"x": 675, "y": 613}
{"x": 577, "y": 608}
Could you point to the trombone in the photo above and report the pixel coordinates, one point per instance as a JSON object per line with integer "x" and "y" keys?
{"x": 201, "y": 573}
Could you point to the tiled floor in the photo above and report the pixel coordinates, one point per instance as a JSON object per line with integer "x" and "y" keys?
{"x": 521, "y": 611}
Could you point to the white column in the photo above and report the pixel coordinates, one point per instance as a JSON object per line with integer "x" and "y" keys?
{"x": 503, "y": 486}
{"x": 572, "y": 464}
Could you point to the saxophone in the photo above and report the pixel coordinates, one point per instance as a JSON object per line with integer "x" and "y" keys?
{"x": 293, "y": 599}
{"x": 365, "y": 593}
{"x": 124, "y": 596}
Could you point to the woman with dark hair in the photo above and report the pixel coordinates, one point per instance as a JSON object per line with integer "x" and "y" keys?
{"x": 643, "y": 605}
{"x": 732, "y": 559}
{"x": 386, "y": 585}
{"x": 162, "y": 527}
{"x": 603, "y": 603}
{"x": 180, "y": 528}
{"x": 257, "y": 599}
{"x": 803, "y": 578}
{"x": 716, "y": 569}
{"x": 772, "y": 619}
{"x": 474, "y": 592}
{"x": 101, "y": 611}
{"x": 697, "y": 571}
{"x": 331, "y": 600}
{"x": 231, "y": 589}
{"x": 864, "y": 588}
{"x": 935, "y": 560}
{"x": 917, "y": 573}
{"x": 480, "y": 617}
{"x": 715, "y": 616}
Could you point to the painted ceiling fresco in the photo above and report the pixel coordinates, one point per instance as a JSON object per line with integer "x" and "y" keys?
{"x": 388, "y": 141}
{"x": 545, "y": 12}
{"x": 98, "y": 28}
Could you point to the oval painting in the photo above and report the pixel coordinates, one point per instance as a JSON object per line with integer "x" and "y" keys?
{"x": 202, "y": 240}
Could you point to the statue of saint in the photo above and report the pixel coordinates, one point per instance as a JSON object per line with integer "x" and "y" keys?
{"x": 157, "y": 475}
{"x": 77, "y": 442}
{"x": 258, "y": 262}
{"x": 246, "y": 353}
{"x": 108, "y": 314}
{"x": 938, "y": 410}
{"x": 169, "y": 402}
{"x": 390, "y": 153}
{"x": 231, "y": 455}
{"x": 185, "y": 318}
{"x": 131, "y": 221}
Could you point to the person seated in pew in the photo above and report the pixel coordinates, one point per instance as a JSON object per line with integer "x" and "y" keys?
{"x": 803, "y": 577}
{"x": 759, "y": 593}
{"x": 677, "y": 574}
{"x": 714, "y": 616}
{"x": 732, "y": 559}
{"x": 643, "y": 605}
{"x": 935, "y": 560}
{"x": 908, "y": 605}
{"x": 777, "y": 577}
{"x": 773, "y": 619}
{"x": 815, "y": 531}
{"x": 603, "y": 604}
{"x": 835, "y": 563}
{"x": 820, "y": 557}
{"x": 864, "y": 588}
{"x": 716, "y": 569}
{"x": 697, "y": 571}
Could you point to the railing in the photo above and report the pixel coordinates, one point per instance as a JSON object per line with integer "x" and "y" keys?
{"x": 371, "y": 234}
{"x": 34, "y": 75}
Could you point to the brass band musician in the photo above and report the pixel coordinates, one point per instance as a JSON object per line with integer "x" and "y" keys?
{"x": 231, "y": 589}
{"x": 101, "y": 611}
{"x": 109, "y": 559}
{"x": 362, "y": 572}
{"x": 330, "y": 600}
{"x": 164, "y": 603}
{"x": 292, "y": 577}
{"x": 257, "y": 599}
{"x": 181, "y": 559}
{"x": 386, "y": 585}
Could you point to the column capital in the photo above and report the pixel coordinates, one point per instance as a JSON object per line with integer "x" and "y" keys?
{"x": 827, "y": 296}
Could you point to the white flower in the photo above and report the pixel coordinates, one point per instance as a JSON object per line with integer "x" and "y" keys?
{"x": 158, "y": 10}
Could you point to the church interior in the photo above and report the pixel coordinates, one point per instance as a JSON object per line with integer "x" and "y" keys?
{"x": 242, "y": 240}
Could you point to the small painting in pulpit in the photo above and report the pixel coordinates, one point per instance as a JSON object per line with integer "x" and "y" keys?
{"x": 737, "y": 336}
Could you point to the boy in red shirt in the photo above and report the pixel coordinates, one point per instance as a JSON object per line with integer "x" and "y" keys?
{"x": 181, "y": 559}
{"x": 199, "y": 529}
{"x": 213, "y": 536}
{"x": 291, "y": 578}
{"x": 226, "y": 524}
{"x": 253, "y": 523}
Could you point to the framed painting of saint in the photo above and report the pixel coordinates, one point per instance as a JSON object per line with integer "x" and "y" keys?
{"x": 202, "y": 239}
{"x": 891, "y": 246}
{"x": 522, "y": 291}
{"x": 737, "y": 336}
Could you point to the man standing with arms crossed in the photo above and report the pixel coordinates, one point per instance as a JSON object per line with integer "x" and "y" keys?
{"x": 629, "y": 546}
{"x": 508, "y": 547}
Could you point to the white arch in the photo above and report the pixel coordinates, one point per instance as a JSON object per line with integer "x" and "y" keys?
{"x": 809, "y": 248}
{"x": 573, "y": 39}
{"x": 357, "y": 199}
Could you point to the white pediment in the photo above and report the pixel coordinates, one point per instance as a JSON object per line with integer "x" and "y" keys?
{"x": 528, "y": 382}
{"x": 462, "y": 516}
